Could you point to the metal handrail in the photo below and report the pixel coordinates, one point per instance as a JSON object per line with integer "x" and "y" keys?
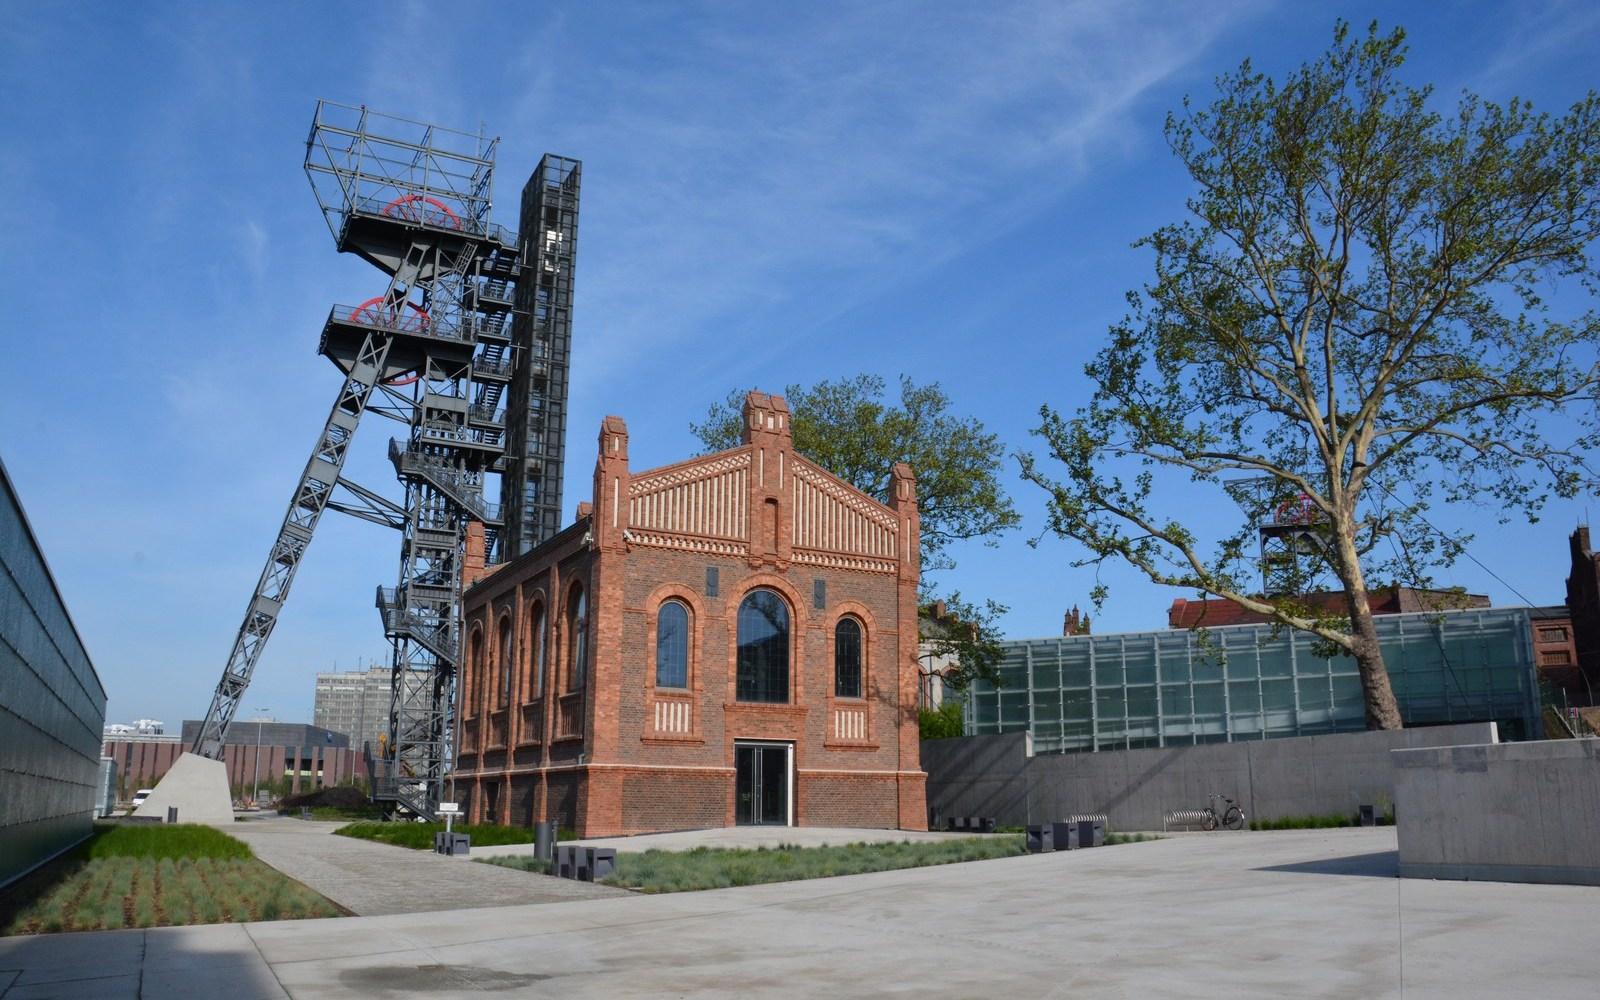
{"x": 445, "y": 477}
{"x": 499, "y": 369}
{"x": 465, "y": 435}
{"x": 411, "y": 325}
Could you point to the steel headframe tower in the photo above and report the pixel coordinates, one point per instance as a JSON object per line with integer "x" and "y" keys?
{"x": 1290, "y": 529}
{"x": 434, "y": 352}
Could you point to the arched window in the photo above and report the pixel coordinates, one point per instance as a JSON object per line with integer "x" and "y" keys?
{"x": 763, "y": 670}
{"x": 504, "y": 693}
{"x": 577, "y": 636}
{"x": 474, "y": 670}
{"x": 672, "y": 645}
{"x": 536, "y": 650}
{"x": 847, "y": 659}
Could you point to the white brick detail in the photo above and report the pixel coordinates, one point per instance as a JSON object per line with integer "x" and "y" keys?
{"x": 850, "y": 724}
{"x": 673, "y": 717}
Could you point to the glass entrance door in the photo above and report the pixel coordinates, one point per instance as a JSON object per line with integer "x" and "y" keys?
{"x": 761, "y": 788}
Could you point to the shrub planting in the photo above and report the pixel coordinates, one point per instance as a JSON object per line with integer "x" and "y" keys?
{"x": 419, "y": 836}
{"x": 154, "y": 876}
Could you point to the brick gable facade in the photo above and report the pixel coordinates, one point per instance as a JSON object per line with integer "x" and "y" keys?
{"x": 560, "y": 715}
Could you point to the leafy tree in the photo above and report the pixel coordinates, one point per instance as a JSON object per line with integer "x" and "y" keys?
{"x": 1351, "y": 314}
{"x": 940, "y": 723}
{"x": 847, "y": 428}
{"x": 961, "y": 641}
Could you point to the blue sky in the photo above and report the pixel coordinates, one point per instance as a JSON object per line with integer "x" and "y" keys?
{"x": 770, "y": 196}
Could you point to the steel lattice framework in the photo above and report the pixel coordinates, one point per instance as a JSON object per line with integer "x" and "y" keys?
{"x": 434, "y": 352}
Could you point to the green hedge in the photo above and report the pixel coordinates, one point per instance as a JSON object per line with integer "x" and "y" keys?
{"x": 715, "y": 868}
{"x": 419, "y": 836}
{"x": 1324, "y": 821}
{"x": 158, "y": 840}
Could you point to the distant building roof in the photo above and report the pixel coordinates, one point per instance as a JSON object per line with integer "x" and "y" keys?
{"x": 271, "y": 734}
{"x": 1214, "y": 612}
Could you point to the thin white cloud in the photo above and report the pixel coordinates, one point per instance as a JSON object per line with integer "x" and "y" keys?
{"x": 1538, "y": 33}
{"x": 807, "y": 163}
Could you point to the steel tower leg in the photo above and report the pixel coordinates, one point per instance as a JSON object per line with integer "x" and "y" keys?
{"x": 310, "y": 499}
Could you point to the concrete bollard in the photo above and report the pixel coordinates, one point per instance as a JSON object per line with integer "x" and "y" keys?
{"x": 1064, "y": 836}
{"x": 1041, "y": 838}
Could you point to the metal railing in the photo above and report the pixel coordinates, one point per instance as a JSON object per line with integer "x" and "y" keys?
{"x": 446, "y": 478}
{"x": 409, "y": 322}
{"x": 465, "y": 436}
{"x": 398, "y": 620}
{"x": 495, "y": 369}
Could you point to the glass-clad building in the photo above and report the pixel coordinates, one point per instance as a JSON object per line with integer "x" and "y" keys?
{"x": 1244, "y": 682}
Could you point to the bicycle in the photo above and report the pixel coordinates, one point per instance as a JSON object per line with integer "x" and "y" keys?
{"x": 1231, "y": 817}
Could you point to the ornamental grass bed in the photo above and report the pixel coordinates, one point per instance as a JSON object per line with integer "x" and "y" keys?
{"x": 155, "y": 876}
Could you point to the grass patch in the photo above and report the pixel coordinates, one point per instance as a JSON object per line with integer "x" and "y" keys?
{"x": 1325, "y": 821}
{"x": 154, "y": 876}
{"x": 716, "y": 868}
{"x": 330, "y": 813}
{"x": 419, "y": 836}
{"x": 157, "y": 840}
{"x": 720, "y": 867}
{"x": 1113, "y": 839}
{"x": 521, "y": 862}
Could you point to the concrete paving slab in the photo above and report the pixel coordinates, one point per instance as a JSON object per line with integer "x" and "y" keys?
{"x": 1303, "y": 914}
{"x": 64, "y": 957}
{"x": 371, "y": 878}
{"x": 218, "y": 960}
{"x": 124, "y": 987}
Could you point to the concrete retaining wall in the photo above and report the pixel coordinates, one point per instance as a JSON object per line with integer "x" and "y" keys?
{"x": 1512, "y": 812}
{"x": 1271, "y": 779}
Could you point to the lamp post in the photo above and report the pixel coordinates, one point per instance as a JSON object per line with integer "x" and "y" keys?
{"x": 255, "y": 794}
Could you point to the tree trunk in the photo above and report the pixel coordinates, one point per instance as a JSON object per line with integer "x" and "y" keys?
{"x": 1383, "y": 712}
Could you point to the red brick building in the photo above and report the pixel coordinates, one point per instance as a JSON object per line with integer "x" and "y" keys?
{"x": 1583, "y": 603}
{"x": 1215, "y": 612}
{"x": 730, "y": 639}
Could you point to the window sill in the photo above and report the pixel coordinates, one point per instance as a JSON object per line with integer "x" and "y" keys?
{"x": 765, "y": 707}
{"x": 673, "y": 741}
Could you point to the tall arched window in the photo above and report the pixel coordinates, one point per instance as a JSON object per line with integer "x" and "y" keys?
{"x": 672, "y": 645}
{"x": 577, "y": 636}
{"x": 504, "y": 693}
{"x": 536, "y": 650}
{"x": 847, "y": 659}
{"x": 474, "y": 670}
{"x": 763, "y": 669}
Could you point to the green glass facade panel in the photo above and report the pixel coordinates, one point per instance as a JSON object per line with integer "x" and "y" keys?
{"x": 1176, "y": 688}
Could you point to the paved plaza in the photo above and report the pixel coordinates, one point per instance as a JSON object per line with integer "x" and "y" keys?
{"x": 362, "y": 875}
{"x": 1293, "y": 914}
